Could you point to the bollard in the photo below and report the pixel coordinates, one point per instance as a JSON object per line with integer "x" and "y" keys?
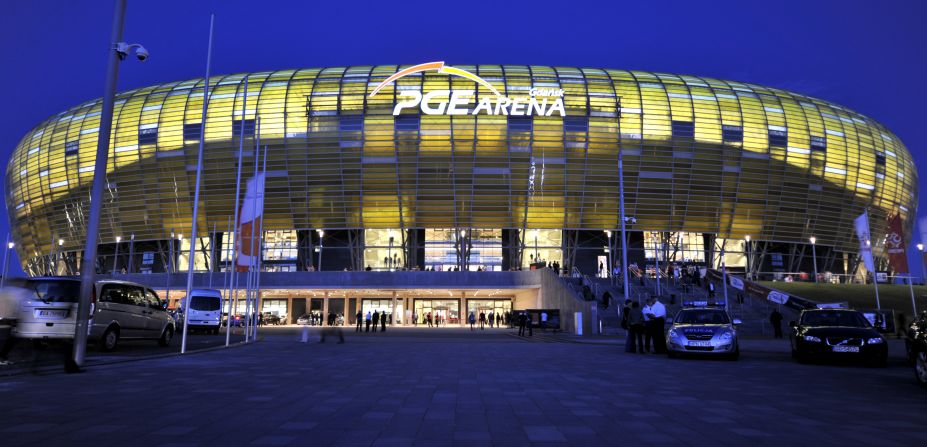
{"x": 305, "y": 337}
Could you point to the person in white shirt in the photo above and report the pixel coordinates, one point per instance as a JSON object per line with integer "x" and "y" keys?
{"x": 655, "y": 316}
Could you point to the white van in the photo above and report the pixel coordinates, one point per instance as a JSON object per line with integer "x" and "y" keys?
{"x": 205, "y": 310}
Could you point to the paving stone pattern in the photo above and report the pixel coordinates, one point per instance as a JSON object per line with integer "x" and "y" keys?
{"x": 441, "y": 388}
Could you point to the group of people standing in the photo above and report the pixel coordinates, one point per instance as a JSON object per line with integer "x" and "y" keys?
{"x": 374, "y": 319}
{"x": 645, "y": 326}
{"x": 494, "y": 319}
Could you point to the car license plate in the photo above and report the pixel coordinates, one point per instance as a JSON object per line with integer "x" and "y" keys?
{"x": 842, "y": 348}
{"x": 50, "y": 313}
{"x": 700, "y": 343}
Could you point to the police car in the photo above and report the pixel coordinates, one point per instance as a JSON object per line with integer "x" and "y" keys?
{"x": 703, "y": 328}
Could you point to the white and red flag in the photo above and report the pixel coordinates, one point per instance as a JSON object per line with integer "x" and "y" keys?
{"x": 248, "y": 236}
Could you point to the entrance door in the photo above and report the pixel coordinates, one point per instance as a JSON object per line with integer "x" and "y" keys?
{"x": 336, "y": 306}
{"x": 316, "y": 306}
{"x": 443, "y": 312}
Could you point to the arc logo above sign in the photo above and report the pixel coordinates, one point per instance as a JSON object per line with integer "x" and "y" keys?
{"x": 540, "y": 101}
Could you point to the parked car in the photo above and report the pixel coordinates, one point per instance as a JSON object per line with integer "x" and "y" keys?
{"x": 707, "y": 331}
{"x": 836, "y": 333}
{"x": 304, "y": 320}
{"x": 205, "y": 310}
{"x": 237, "y": 321}
{"x": 916, "y": 347}
{"x": 48, "y": 307}
{"x": 271, "y": 318}
{"x": 129, "y": 311}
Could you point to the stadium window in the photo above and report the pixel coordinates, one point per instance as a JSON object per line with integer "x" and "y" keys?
{"x": 71, "y": 148}
{"x": 732, "y": 133}
{"x": 778, "y": 137}
{"x": 351, "y": 123}
{"x": 683, "y": 129}
{"x": 249, "y": 128}
{"x": 148, "y": 134}
{"x": 575, "y": 124}
{"x": 192, "y": 131}
{"x": 407, "y": 123}
{"x": 880, "y": 159}
{"x": 522, "y": 123}
{"x": 818, "y": 143}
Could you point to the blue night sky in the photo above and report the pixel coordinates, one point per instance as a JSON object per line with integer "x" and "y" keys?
{"x": 868, "y": 56}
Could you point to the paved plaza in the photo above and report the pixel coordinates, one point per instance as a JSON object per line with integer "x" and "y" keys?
{"x": 426, "y": 387}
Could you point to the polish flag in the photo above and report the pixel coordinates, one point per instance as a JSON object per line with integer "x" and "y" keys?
{"x": 249, "y": 219}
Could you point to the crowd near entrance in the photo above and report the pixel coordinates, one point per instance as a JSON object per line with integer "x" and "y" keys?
{"x": 436, "y": 312}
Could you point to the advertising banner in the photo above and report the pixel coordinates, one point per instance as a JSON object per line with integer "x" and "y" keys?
{"x": 894, "y": 245}
{"x": 248, "y": 236}
{"x": 736, "y": 282}
{"x": 865, "y": 244}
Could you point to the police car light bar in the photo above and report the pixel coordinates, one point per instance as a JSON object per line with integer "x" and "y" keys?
{"x": 703, "y": 303}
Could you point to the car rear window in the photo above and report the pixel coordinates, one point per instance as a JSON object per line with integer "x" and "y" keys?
{"x": 205, "y": 303}
{"x": 55, "y": 291}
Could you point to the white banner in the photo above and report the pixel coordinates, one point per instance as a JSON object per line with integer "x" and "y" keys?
{"x": 737, "y": 283}
{"x": 865, "y": 244}
{"x": 252, "y": 209}
{"x": 777, "y": 297}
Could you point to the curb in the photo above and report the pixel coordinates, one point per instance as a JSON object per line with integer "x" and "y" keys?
{"x": 57, "y": 369}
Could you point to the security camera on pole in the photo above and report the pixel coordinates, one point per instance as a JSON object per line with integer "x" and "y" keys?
{"x": 117, "y": 52}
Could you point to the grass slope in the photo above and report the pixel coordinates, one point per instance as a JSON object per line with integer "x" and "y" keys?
{"x": 859, "y": 296}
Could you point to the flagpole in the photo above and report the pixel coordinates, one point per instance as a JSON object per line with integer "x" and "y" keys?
{"x": 251, "y": 261}
{"x": 236, "y": 211}
{"x": 196, "y": 192}
{"x": 875, "y": 278}
{"x": 257, "y": 296}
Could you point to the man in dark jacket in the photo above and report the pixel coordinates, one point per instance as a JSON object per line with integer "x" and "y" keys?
{"x": 376, "y": 320}
{"x": 775, "y": 319}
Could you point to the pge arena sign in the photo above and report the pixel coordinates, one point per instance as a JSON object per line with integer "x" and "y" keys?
{"x": 540, "y": 101}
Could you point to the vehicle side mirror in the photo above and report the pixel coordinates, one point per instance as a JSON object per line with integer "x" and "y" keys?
{"x": 738, "y": 322}
{"x": 793, "y": 324}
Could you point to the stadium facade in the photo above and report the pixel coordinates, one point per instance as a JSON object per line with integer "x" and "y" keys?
{"x": 489, "y": 167}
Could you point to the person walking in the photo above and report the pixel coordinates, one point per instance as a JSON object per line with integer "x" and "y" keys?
{"x": 376, "y": 320}
{"x": 492, "y": 319}
{"x": 10, "y": 304}
{"x": 428, "y": 319}
{"x": 775, "y": 319}
{"x": 522, "y": 320}
{"x": 360, "y": 321}
{"x": 625, "y": 313}
{"x": 383, "y": 322}
{"x": 367, "y": 319}
{"x": 472, "y": 320}
{"x": 482, "y": 321}
{"x": 635, "y": 340}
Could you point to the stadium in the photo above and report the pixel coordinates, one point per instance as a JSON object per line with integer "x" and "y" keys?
{"x": 464, "y": 167}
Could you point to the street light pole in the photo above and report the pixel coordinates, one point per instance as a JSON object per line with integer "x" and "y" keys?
{"x": 88, "y": 262}
{"x": 749, "y": 259}
{"x": 6, "y": 258}
{"x": 321, "y": 247}
{"x": 621, "y": 217}
{"x": 116, "y": 255}
{"x": 920, "y": 248}
{"x": 814, "y": 257}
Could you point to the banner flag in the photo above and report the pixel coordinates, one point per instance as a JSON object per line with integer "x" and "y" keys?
{"x": 865, "y": 243}
{"x": 894, "y": 245}
{"x": 250, "y": 222}
{"x": 736, "y": 282}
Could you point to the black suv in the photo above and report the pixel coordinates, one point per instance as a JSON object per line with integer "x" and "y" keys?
{"x": 916, "y": 346}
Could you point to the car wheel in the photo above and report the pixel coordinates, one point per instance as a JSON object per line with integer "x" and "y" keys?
{"x": 166, "y": 337}
{"x": 735, "y": 355}
{"x": 110, "y": 339}
{"x": 920, "y": 368}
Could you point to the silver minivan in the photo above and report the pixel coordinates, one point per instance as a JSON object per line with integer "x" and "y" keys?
{"x": 128, "y": 311}
{"x": 48, "y": 307}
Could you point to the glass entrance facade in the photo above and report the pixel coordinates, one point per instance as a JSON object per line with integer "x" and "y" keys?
{"x": 487, "y": 306}
{"x": 442, "y": 311}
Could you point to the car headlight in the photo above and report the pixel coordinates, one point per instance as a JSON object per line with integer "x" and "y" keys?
{"x": 727, "y": 335}
{"x": 673, "y": 333}
{"x": 812, "y": 339}
{"x": 875, "y": 341}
